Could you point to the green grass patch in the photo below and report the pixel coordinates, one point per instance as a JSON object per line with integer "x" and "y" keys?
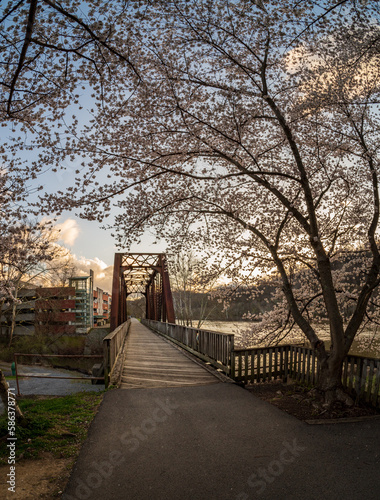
{"x": 55, "y": 424}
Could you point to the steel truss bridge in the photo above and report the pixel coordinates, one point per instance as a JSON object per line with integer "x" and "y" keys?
{"x": 144, "y": 273}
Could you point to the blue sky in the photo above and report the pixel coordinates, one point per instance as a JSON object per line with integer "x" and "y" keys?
{"x": 92, "y": 246}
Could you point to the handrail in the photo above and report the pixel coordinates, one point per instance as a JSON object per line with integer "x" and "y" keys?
{"x": 112, "y": 346}
{"x": 360, "y": 375}
{"x": 213, "y": 347}
{"x": 19, "y": 375}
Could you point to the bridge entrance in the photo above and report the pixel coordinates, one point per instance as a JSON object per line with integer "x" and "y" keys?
{"x": 144, "y": 273}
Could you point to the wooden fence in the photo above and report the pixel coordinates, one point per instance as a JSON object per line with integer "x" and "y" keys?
{"x": 112, "y": 345}
{"x": 213, "y": 347}
{"x": 361, "y": 375}
{"x": 260, "y": 364}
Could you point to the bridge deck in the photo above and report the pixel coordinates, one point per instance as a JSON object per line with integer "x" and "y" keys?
{"x": 152, "y": 362}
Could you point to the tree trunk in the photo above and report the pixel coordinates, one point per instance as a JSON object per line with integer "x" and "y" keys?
{"x": 330, "y": 380}
{"x": 10, "y": 402}
{"x": 14, "y": 312}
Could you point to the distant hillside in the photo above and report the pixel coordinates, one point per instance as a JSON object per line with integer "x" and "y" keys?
{"x": 235, "y": 309}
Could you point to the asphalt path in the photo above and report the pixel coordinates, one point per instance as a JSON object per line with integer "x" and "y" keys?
{"x": 220, "y": 442}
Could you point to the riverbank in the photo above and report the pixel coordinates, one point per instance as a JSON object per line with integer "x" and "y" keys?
{"x": 47, "y": 386}
{"x": 47, "y": 447}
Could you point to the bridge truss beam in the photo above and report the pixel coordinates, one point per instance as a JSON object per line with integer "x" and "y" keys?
{"x": 144, "y": 273}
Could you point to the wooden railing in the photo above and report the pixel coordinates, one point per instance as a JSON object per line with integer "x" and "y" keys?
{"x": 112, "y": 345}
{"x": 303, "y": 365}
{"x": 361, "y": 375}
{"x": 260, "y": 364}
{"x": 213, "y": 347}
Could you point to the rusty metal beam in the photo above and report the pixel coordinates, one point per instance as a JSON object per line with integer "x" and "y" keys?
{"x": 166, "y": 292}
{"x": 144, "y": 273}
{"x": 115, "y": 304}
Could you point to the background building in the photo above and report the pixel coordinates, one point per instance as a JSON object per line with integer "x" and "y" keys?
{"x": 101, "y": 306}
{"x": 84, "y": 298}
{"x": 68, "y": 310}
{"x": 42, "y": 310}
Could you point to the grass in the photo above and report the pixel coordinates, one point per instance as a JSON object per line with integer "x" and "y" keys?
{"x": 57, "y": 425}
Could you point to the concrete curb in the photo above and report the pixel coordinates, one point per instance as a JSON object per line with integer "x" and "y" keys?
{"x": 347, "y": 420}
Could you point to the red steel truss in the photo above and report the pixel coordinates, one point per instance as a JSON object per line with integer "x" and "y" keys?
{"x": 144, "y": 273}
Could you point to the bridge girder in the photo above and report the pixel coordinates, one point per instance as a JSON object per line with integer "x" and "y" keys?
{"x": 144, "y": 273}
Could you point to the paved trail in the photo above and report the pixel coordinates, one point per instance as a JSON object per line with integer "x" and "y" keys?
{"x": 219, "y": 442}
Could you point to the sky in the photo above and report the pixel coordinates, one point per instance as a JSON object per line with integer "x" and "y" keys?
{"x": 91, "y": 246}
{"x": 94, "y": 248}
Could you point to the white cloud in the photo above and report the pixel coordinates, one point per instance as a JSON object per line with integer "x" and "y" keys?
{"x": 68, "y": 231}
{"x": 102, "y": 273}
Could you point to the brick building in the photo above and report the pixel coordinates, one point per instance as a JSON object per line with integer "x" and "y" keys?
{"x": 42, "y": 310}
{"x": 102, "y": 306}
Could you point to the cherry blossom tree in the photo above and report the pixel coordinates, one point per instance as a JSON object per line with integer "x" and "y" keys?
{"x": 247, "y": 126}
{"x": 12, "y": 219}
{"x": 194, "y": 277}
{"x": 25, "y": 258}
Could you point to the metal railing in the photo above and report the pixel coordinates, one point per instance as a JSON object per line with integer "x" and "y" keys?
{"x": 20, "y": 375}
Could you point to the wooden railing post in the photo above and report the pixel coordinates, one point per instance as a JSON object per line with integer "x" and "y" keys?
{"x": 232, "y": 370}
{"x": 106, "y": 362}
{"x": 286, "y": 364}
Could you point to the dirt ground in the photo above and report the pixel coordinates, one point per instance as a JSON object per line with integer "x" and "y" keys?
{"x": 304, "y": 405}
{"x": 44, "y": 478}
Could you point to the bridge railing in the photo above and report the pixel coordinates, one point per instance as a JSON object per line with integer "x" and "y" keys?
{"x": 361, "y": 375}
{"x": 260, "y": 364}
{"x": 213, "y": 347}
{"x": 112, "y": 346}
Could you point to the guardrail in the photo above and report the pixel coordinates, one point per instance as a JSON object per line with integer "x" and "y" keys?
{"x": 260, "y": 364}
{"x": 112, "y": 346}
{"x": 18, "y": 375}
{"x": 212, "y": 347}
{"x": 362, "y": 375}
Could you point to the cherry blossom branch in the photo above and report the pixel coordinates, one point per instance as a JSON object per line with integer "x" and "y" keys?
{"x": 28, "y": 38}
{"x": 93, "y": 35}
{"x": 13, "y": 9}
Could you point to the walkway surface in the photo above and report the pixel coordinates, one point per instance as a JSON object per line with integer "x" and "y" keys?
{"x": 219, "y": 442}
{"x": 152, "y": 362}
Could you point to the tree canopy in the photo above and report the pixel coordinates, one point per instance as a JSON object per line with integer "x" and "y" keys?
{"x": 247, "y": 126}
